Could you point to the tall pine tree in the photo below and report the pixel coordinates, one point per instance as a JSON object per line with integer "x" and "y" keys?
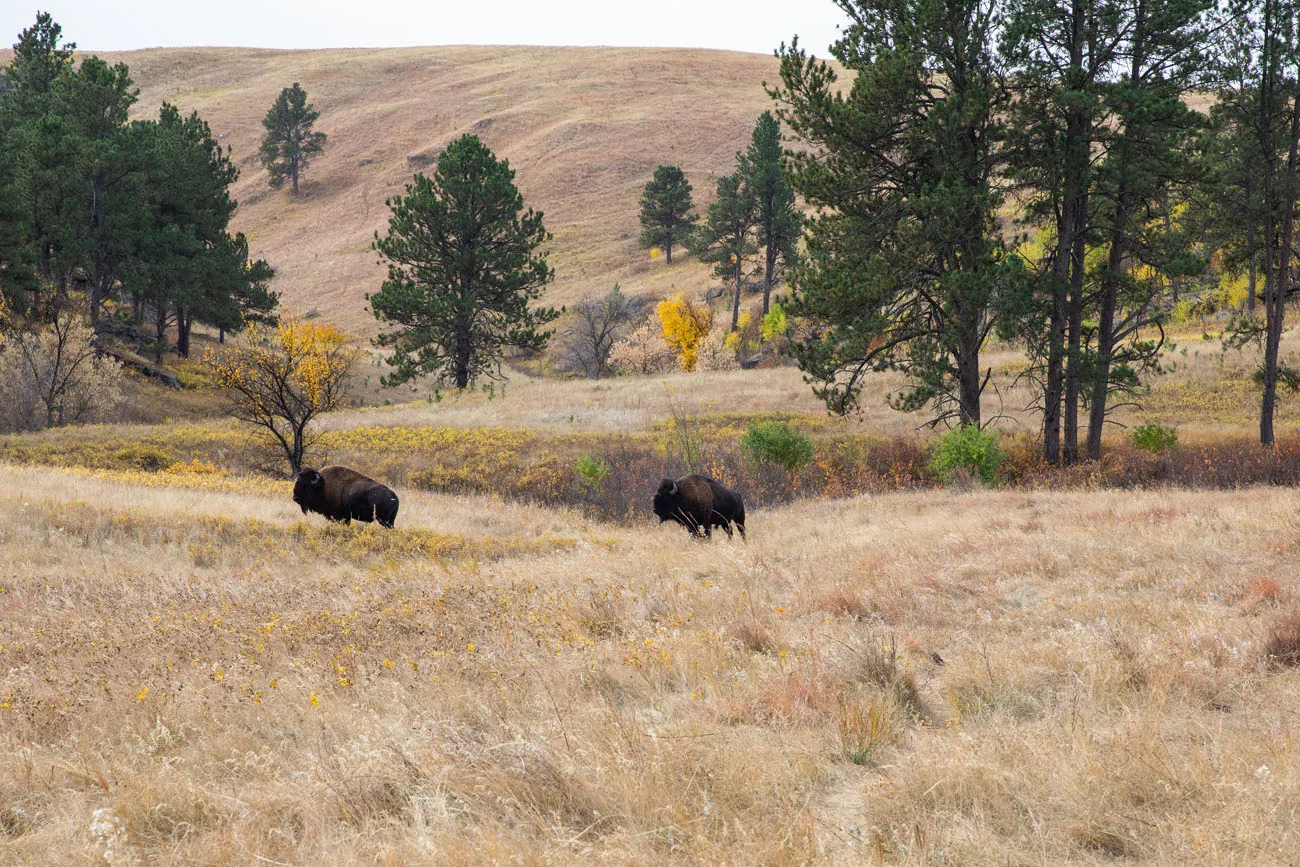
{"x": 1063, "y": 53}
{"x": 667, "y": 212}
{"x": 1259, "y": 75}
{"x": 290, "y": 142}
{"x": 464, "y": 265}
{"x": 904, "y": 257}
{"x": 1148, "y": 159}
{"x": 778, "y": 224}
{"x": 726, "y": 236}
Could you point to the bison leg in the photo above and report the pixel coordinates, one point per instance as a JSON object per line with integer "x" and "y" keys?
{"x": 741, "y": 527}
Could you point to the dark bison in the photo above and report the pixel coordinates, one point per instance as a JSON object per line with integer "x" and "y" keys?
{"x": 699, "y": 504}
{"x": 343, "y": 494}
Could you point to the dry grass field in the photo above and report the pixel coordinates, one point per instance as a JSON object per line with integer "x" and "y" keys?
{"x": 584, "y": 129}
{"x": 200, "y": 676}
{"x": 887, "y": 672}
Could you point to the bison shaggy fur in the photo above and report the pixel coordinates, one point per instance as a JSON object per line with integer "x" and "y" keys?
{"x": 343, "y": 494}
{"x": 699, "y": 504}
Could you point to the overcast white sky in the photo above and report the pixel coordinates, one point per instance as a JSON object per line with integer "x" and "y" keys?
{"x": 740, "y": 25}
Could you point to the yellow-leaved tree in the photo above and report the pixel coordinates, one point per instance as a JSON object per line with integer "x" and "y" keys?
{"x": 684, "y": 324}
{"x": 280, "y": 378}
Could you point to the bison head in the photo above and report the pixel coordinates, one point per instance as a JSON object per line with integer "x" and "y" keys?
{"x": 309, "y": 488}
{"x": 667, "y": 500}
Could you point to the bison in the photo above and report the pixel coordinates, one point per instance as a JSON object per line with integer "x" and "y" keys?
{"x": 699, "y": 504}
{"x": 342, "y": 494}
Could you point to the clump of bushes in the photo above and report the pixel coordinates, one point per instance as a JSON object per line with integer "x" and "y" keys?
{"x": 53, "y": 376}
{"x": 775, "y": 442}
{"x": 968, "y": 449}
{"x": 592, "y": 472}
{"x": 1155, "y": 439}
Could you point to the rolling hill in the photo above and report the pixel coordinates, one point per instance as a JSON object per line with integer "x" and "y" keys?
{"x": 583, "y": 128}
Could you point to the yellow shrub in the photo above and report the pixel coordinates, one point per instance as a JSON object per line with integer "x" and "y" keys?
{"x": 195, "y": 467}
{"x": 684, "y": 324}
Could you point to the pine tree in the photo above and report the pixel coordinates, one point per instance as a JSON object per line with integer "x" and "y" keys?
{"x": 1148, "y": 155}
{"x": 290, "y": 142}
{"x": 188, "y": 266}
{"x": 778, "y": 224}
{"x": 40, "y": 58}
{"x": 905, "y": 258}
{"x": 463, "y": 267}
{"x": 726, "y": 236}
{"x": 89, "y": 181}
{"x": 667, "y": 218}
{"x": 1062, "y": 51}
{"x": 1258, "y": 68}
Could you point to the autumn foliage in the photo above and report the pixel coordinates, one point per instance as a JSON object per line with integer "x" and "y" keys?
{"x": 684, "y": 324}
{"x": 280, "y": 379}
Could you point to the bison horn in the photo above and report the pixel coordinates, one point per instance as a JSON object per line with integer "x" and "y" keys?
{"x": 673, "y": 489}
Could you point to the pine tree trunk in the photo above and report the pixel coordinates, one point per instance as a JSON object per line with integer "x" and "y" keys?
{"x": 463, "y": 349}
{"x": 668, "y": 252}
{"x": 1074, "y": 349}
{"x": 1106, "y": 334}
{"x": 1276, "y": 304}
{"x": 160, "y": 332}
{"x": 1252, "y": 246}
{"x": 768, "y": 271}
{"x": 184, "y": 324}
{"x": 1250, "y": 284}
{"x": 968, "y": 374}
{"x": 735, "y": 305}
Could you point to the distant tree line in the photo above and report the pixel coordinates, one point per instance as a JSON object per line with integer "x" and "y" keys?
{"x": 125, "y": 221}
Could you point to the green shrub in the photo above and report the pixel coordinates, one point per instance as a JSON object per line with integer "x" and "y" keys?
{"x": 775, "y": 323}
{"x": 1182, "y": 311}
{"x": 968, "y": 449}
{"x": 1154, "y": 438}
{"x": 775, "y": 442}
{"x": 592, "y": 471}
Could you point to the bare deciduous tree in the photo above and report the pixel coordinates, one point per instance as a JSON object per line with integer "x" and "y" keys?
{"x": 596, "y": 327}
{"x": 644, "y": 351}
{"x": 53, "y": 376}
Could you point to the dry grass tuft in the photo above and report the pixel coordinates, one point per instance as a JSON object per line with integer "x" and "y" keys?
{"x": 1282, "y": 640}
{"x": 1265, "y": 590}
{"x": 754, "y": 635}
{"x": 1102, "y": 840}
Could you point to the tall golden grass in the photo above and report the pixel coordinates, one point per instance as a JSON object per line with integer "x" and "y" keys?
{"x": 192, "y": 675}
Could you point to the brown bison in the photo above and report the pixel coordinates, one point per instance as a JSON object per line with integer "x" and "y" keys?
{"x": 343, "y": 494}
{"x": 699, "y": 504}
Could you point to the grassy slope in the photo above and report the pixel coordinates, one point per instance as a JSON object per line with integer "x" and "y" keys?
{"x": 583, "y": 128}
{"x": 231, "y": 684}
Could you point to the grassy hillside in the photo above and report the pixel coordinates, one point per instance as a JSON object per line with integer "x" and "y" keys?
{"x": 583, "y": 127}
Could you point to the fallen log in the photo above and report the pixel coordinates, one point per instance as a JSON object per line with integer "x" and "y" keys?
{"x": 135, "y": 362}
